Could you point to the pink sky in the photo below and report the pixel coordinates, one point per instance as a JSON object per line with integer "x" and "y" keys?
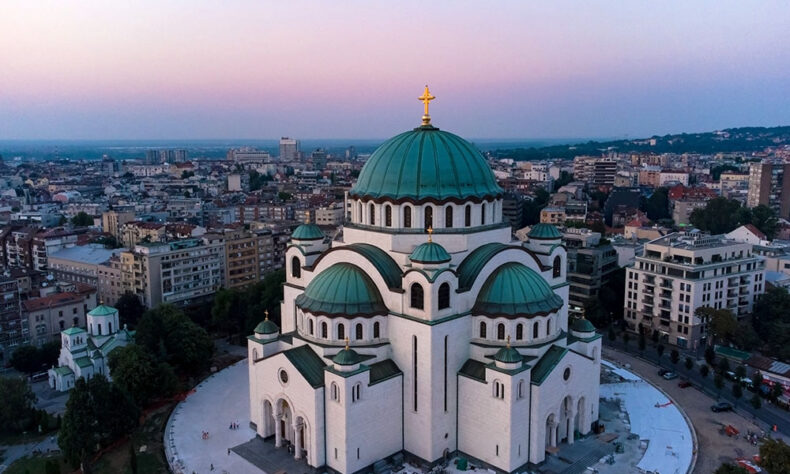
{"x": 256, "y": 69}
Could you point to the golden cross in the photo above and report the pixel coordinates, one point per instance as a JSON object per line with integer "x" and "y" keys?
{"x": 346, "y": 342}
{"x": 266, "y": 313}
{"x": 426, "y": 98}
{"x": 430, "y": 232}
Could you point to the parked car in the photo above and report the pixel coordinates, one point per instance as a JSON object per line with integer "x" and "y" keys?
{"x": 661, "y": 372}
{"x": 684, "y": 384}
{"x": 721, "y": 406}
{"x": 670, "y": 375}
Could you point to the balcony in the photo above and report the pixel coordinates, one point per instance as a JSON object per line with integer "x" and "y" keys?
{"x": 666, "y": 294}
{"x": 666, "y": 284}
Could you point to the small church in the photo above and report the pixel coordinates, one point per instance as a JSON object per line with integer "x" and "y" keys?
{"x": 83, "y": 353}
{"x": 424, "y": 329}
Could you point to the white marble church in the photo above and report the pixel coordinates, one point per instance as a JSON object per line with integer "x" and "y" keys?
{"x": 424, "y": 328}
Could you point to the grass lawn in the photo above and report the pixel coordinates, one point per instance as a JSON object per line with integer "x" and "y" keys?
{"x": 35, "y": 465}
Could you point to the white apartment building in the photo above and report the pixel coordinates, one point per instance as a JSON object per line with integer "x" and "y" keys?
{"x": 682, "y": 271}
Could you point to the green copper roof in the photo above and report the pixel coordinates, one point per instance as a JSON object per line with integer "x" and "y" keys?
{"x": 508, "y": 355}
{"x": 516, "y": 290}
{"x": 307, "y": 232}
{"x": 308, "y": 363}
{"x": 346, "y": 357}
{"x": 426, "y": 164}
{"x": 544, "y": 232}
{"x": 342, "y": 289}
{"x": 475, "y": 261}
{"x": 84, "y": 362}
{"x": 430, "y": 252}
{"x": 102, "y": 310}
{"x": 266, "y": 327}
{"x": 64, "y": 370}
{"x": 73, "y": 330}
{"x": 386, "y": 266}
{"x": 582, "y": 325}
{"x": 384, "y": 370}
{"x": 474, "y": 370}
{"x": 546, "y": 364}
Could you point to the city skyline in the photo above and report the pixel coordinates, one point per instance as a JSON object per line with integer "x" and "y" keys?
{"x": 185, "y": 70}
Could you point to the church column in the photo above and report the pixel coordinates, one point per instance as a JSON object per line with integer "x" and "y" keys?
{"x": 569, "y": 424}
{"x": 555, "y": 428}
{"x": 278, "y": 434}
{"x": 298, "y": 440}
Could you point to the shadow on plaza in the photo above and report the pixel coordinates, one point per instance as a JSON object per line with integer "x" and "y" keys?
{"x": 262, "y": 454}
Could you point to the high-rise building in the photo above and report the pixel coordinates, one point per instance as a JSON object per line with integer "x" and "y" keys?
{"x": 289, "y": 149}
{"x": 13, "y": 328}
{"x": 318, "y": 159}
{"x": 769, "y": 185}
{"x": 680, "y": 272}
{"x": 152, "y": 157}
{"x": 113, "y": 221}
{"x": 590, "y": 267}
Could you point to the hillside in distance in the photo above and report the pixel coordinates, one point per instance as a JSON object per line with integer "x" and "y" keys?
{"x": 744, "y": 139}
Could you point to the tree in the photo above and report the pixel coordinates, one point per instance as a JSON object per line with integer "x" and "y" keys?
{"x": 626, "y": 338}
{"x": 130, "y": 309}
{"x": 724, "y": 366}
{"x": 76, "y": 437}
{"x": 642, "y": 342}
{"x": 82, "y": 219}
{"x": 17, "y": 404}
{"x": 764, "y": 218}
{"x": 564, "y": 179}
{"x": 710, "y": 355}
{"x": 689, "y": 363}
{"x": 757, "y": 381}
{"x": 142, "y": 378}
{"x": 660, "y": 350}
{"x": 283, "y": 196}
{"x": 771, "y": 320}
{"x": 654, "y": 337}
{"x": 776, "y": 392}
{"x": 132, "y": 458}
{"x": 52, "y": 467}
{"x": 704, "y": 370}
{"x": 674, "y": 356}
{"x": 718, "y": 381}
{"x": 756, "y": 401}
{"x": 26, "y": 359}
{"x": 740, "y": 372}
{"x": 611, "y": 334}
{"x": 719, "y": 216}
{"x": 728, "y": 468}
{"x": 657, "y": 205}
{"x": 175, "y": 339}
{"x": 721, "y": 322}
{"x": 737, "y": 390}
{"x": 775, "y": 456}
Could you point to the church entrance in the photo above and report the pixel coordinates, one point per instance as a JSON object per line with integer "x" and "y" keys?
{"x": 291, "y": 431}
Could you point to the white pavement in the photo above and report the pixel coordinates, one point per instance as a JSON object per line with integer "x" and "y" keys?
{"x": 652, "y": 416}
{"x": 218, "y": 401}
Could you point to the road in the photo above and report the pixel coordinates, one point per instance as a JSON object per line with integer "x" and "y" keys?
{"x": 714, "y": 448}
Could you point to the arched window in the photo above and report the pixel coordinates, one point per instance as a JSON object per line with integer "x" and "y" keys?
{"x": 482, "y": 330}
{"x": 483, "y": 213}
{"x": 548, "y": 327}
{"x": 358, "y": 331}
{"x": 444, "y": 295}
{"x": 341, "y": 331}
{"x": 310, "y": 326}
{"x": 468, "y": 215}
{"x": 535, "y": 329}
{"x": 448, "y": 216}
{"x": 521, "y": 389}
{"x": 557, "y": 268}
{"x": 296, "y": 268}
{"x": 372, "y": 212}
{"x": 323, "y": 331}
{"x": 500, "y": 331}
{"x": 388, "y": 215}
{"x": 376, "y": 330}
{"x": 407, "y": 217}
{"x": 428, "y": 217}
{"x": 335, "y": 392}
{"x": 519, "y": 332}
{"x": 417, "y": 296}
{"x": 355, "y": 392}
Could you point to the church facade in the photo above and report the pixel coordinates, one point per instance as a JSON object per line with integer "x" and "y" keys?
{"x": 424, "y": 328}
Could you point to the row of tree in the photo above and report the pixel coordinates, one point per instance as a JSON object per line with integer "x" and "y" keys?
{"x": 239, "y": 311}
{"x": 721, "y": 215}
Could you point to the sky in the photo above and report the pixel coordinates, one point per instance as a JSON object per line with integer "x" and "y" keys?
{"x": 194, "y": 69}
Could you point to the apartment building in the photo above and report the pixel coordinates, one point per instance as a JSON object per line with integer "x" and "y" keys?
{"x": 682, "y": 271}
{"x": 13, "y": 329}
{"x": 769, "y": 185}
{"x": 113, "y": 221}
{"x": 183, "y": 272}
{"x": 591, "y": 264}
{"x": 80, "y": 264}
{"x": 241, "y": 257}
{"x": 47, "y": 315}
{"x": 133, "y": 233}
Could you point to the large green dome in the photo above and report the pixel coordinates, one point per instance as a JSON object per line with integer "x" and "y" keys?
{"x": 544, "y": 231}
{"x": 426, "y": 164}
{"x": 342, "y": 290}
{"x": 430, "y": 252}
{"x": 515, "y": 290}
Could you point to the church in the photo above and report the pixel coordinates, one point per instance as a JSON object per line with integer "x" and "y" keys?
{"x": 424, "y": 329}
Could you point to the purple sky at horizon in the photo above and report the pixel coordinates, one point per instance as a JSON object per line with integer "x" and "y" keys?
{"x": 353, "y": 69}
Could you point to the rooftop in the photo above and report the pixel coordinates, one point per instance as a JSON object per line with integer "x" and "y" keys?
{"x": 51, "y": 301}
{"x": 93, "y": 254}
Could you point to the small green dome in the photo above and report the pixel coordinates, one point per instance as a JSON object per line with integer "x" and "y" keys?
{"x": 516, "y": 290}
{"x": 582, "y": 325}
{"x": 346, "y": 357}
{"x": 343, "y": 290}
{"x": 426, "y": 164}
{"x": 430, "y": 252}
{"x": 508, "y": 355}
{"x": 102, "y": 310}
{"x": 307, "y": 232}
{"x": 544, "y": 232}
{"x": 267, "y": 327}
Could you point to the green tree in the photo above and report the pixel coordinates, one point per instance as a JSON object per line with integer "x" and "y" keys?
{"x": 724, "y": 366}
{"x": 728, "y": 468}
{"x": 130, "y": 309}
{"x": 764, "y": 218}
{"x": 674, "y": 356}
{"x": 776, "y": 392}
{"x": 657, "y": 205}
{"x": 17, "y": 404}
{"x": 689, "y": 363}
{"x": 719, "y": 216}
{"x": 737, "y": 390}
{"x": 26, "y": 359}
{"x": 626, "y": 338}
{"x": 564, "y": 179}
{"x": 721, "y": 322}
{"x": 142, "y": 378}
{"x": 710, "y": 355}
{"x": 757, "y": 381}
{"x": 52, "y": 467}
{"x": 771, "y": 320}
{"x": 704, "y": 370}
{"x": 660, "y": 350}
{"x": 740, "y": 372}
{"x": 132, "y": 458}
{"x": 654, "y": 337}
{"x": 283, "y": 196}
{"x": 775, "y": 456}
{"x": 718, "y": 381}
{"x": 756, "y": 401}
{"x": 82, "y": 219}
{"x": 611, "y": 334}
{"x": 175, "y": 339}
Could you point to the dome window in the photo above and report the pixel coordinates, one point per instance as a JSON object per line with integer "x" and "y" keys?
{"x": 407, "y": 217}
{"x": 468, "y": 215}
{"x": 483, "y": 214}
{"x": 358, "y": 331}
{"x": 448, "y": 217}
{"x": 372, "y": 210}
{"x": 341, "y": 331}
{"x": 310, "y": 326}
{"x": 428, "y": 217}
{"x": 535, "y": 329}
{"x": 500, "y": 332}
{"x": 417, "y": 296}
{"x": 444, "y": 296}
{"x": 324, "y": 331}
{"x": 376, "y": 333}
{"x": 519, "y": 332}
{"x": 482, "y": 330}
{"x": 557, "y": 268}
{"x": 388, "y": 215}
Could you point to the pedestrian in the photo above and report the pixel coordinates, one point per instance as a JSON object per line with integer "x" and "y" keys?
{"x": 212, "y": 467}
{"x": 228, "y": 451}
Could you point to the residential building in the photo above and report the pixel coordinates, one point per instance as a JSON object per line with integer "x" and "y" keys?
{"x": 289, "y": 149}
{"x": 13, "y": 328}
{"x": 591, "y": 263}
{"x": 48, "y": 315}
{"x": 769, "y": 185}
{"x": 113, "y": 221}
{"x": 133, "y": 233}
{"x": 682, "y": 271}
{"x": 80, "y": 264}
